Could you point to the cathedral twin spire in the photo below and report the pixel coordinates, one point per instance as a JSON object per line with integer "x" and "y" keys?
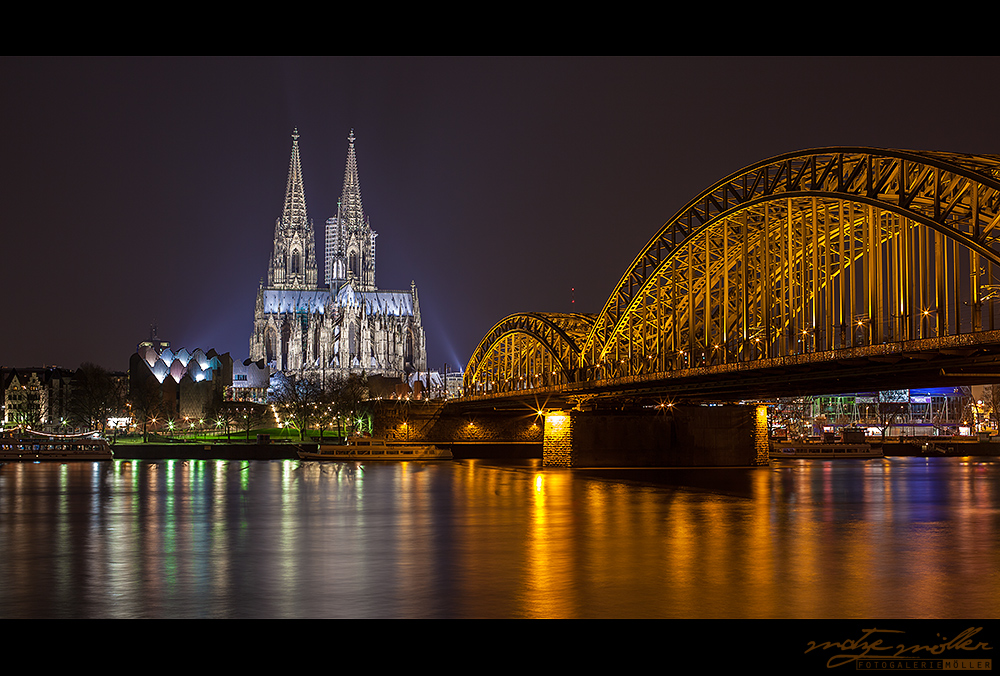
{"x": 293, "y": 264}
{"x": 350, "y": 241}
{"x": 294, "y": 214}
{"x": 352, "y": 213}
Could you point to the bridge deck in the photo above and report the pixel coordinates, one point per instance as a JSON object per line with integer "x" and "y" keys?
{"x": 966, "y": 359}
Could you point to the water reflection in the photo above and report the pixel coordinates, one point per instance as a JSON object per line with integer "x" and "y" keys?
{"x": 866, "y": 539}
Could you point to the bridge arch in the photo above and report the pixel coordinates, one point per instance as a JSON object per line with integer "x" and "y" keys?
{"x": 810, "y": 251}
{"x": 527, "y": 350}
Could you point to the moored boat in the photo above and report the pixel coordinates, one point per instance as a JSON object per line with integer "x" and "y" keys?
{"x": 823, "y": 451}
{"x": 31, "y": 449}
{"x": 377, "y": 449}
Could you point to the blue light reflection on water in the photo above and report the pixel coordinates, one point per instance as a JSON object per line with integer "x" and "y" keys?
{"x": 865, "y": 539}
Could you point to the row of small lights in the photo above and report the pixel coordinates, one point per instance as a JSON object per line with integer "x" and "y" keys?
{"x": 683, "y": 353}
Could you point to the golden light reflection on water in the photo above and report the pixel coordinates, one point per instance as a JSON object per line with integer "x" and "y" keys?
{"x": 548, "y": 549}
{"x": 865, "y": 539}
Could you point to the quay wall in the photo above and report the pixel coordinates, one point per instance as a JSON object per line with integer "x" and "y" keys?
{"x": 444, "y": 423}
{"x": 209, "y": 451}
{"x": 941, "y": 446}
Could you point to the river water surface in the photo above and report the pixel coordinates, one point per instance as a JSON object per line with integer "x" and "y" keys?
{"x": 887, "y": 538}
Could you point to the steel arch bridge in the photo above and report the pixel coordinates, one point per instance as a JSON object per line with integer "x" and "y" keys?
{"x": 816, "y": 253}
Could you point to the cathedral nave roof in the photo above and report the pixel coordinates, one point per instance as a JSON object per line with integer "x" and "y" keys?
{"x": 397, "y": 303}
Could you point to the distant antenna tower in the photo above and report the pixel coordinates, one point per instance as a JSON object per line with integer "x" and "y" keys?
{"x": 152, "y": 331}
{"x": 572, "y": 295}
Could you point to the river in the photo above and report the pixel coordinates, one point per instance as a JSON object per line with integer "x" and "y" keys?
{"x": 900, "y": 538}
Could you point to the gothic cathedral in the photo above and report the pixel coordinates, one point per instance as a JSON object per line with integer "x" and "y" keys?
{"x": 347, "y": 324}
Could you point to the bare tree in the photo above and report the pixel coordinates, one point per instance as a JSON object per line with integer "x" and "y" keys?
{"x": 791, "y": 413}
{"x": 146, "y": 402}
{"x": 251, "y": 415}
{"x": 349, "y": 402}
{"x": 991, "y": 403}
{"x": 326, "y": 408}
{"x": 890, "y": 405}
{"x": 296, "y": 399}
{"x": 238, "y": 415}
{"x": 223, "y": 414}
{"x": 96, "y": 395}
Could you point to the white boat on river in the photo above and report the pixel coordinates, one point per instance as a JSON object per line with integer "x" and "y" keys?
{"x": 376, "y": 449}
{"x": 822, "y": 451}
{"x": 60, "y": 448}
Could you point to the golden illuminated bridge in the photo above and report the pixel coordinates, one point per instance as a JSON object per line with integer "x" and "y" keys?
{"x": 826, "y": 270}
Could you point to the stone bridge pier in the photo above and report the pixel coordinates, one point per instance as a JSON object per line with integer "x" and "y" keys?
{"x": 674, "y": 436}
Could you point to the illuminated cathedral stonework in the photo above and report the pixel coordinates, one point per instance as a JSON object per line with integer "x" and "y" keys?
{"x": 347, "y": 325}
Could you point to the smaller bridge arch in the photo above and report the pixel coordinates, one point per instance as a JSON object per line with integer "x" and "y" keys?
{"x": 528, "y": 350}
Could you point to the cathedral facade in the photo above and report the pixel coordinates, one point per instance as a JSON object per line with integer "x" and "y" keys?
{"x": 346, "y": 324}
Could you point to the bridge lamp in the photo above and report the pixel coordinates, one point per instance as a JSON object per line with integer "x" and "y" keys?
{"x": 557, "y": 418}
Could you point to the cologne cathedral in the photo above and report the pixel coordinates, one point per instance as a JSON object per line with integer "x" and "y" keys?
{"x": 347, "y": 324}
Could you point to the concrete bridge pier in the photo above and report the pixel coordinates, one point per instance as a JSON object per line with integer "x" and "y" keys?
{"x": 674, "y": 436}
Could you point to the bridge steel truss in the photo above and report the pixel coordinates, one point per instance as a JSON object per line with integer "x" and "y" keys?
{"x": 528, "y": 350}
{"x": 808, "y": 252}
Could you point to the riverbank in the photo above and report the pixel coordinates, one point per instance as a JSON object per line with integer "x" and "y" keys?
{"x": 210, "y": 451}
{"x": 940, "y": 447}
{"x": 931, "y": 447}
{"x": 289, "y": 451}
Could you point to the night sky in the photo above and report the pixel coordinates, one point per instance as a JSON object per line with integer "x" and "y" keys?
{"x": 142, "y": 190}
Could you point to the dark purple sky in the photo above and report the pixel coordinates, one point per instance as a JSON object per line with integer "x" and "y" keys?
{"x": 135, "y": 190}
